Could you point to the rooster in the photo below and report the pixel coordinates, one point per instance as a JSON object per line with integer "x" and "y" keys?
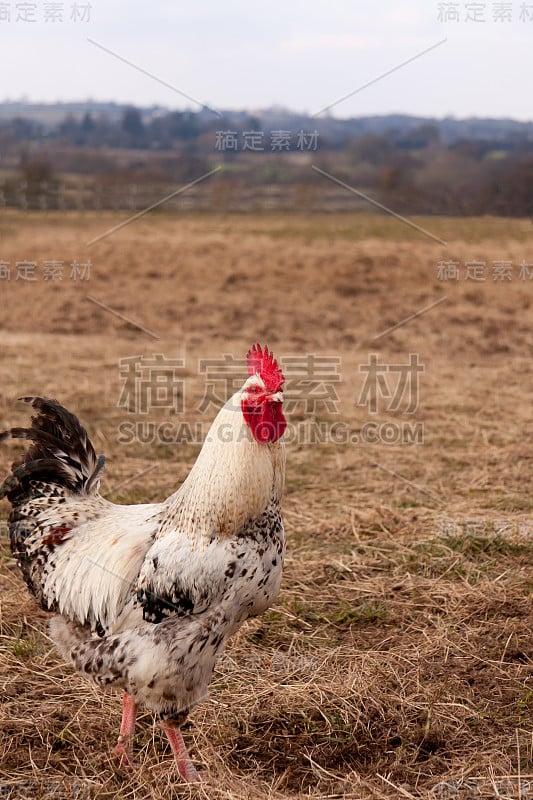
{"x": 145, "y": 596}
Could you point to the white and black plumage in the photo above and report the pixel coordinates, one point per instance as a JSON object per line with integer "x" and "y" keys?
{"x": 146, "y": 596}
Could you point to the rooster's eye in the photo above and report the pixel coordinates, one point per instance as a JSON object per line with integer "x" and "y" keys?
{"x": 253, "y": 389}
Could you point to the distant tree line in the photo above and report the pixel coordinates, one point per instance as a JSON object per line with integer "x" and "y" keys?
{"x": 413, "y": 168}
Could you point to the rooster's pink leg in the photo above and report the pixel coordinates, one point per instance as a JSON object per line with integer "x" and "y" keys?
{"x": 124, "y": 748}
{"x": 186, "y": 768}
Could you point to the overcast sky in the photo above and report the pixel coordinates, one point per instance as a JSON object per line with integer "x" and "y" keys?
{"x": 301, "y": 54}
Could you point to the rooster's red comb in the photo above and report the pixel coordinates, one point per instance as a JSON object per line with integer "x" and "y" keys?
{"x": 262, "y": 362}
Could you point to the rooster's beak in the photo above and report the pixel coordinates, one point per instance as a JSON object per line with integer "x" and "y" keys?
{"x": 277, "y": 397}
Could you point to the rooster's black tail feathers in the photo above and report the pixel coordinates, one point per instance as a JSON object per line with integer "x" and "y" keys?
{"x": 61, "y": 455}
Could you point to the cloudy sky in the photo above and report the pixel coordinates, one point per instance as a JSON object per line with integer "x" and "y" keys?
{"x": 301, "y": 54}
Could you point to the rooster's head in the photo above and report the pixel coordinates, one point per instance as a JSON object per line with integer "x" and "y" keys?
{"x": 262, "y": 396}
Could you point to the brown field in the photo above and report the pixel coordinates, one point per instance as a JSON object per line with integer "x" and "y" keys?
{"x": 398, "y": 660}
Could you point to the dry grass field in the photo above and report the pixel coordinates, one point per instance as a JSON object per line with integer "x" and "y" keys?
{"x": 398, "y": 659}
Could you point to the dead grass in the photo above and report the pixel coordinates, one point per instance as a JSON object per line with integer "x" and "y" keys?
{"x": 398, "y": 661}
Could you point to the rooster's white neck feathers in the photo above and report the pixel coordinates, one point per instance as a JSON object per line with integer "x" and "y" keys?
{"x": 233, "y": 480}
